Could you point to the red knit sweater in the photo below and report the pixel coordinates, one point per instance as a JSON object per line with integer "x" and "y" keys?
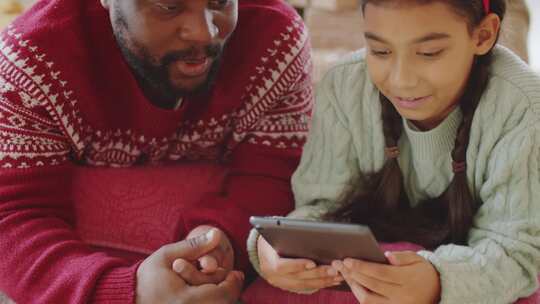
{"x": 87, "y": 161}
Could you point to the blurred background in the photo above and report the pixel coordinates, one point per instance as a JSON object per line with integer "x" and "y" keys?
{"x": 534, "y": 44}
{"x": 335, "y": 27}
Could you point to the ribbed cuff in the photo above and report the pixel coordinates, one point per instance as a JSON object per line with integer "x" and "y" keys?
{"x": 252, "y": 250}
{"x": 119, "y": 286}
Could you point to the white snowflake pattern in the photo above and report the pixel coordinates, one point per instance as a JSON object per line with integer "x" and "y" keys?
{"x": 28, "y": 101}
{"x": 5, "y": 86}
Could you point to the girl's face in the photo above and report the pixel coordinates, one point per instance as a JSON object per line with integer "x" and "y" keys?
{"x": 420, "y": 57}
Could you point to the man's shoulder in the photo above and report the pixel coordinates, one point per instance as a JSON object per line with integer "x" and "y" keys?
{"x": 269, "y": 45}
{"x": 44, "y": 59}
{"x": 53, "y": 32}
{"x": 51, "y": 20}
{"x": 265, "y": 28}
{"x": 267, "y": 18}
{"x": 268, "y": 10}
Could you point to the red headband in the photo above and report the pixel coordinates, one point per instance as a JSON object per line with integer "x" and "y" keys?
{"x": 486, "y": 7}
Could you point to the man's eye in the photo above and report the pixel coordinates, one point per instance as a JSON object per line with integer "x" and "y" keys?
{"x": 220, "y": 3}
{"x": 168, "y": 8}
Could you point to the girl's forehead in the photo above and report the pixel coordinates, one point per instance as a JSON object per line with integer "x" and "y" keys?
{"x": 411, "y": 22}
{"x": 436, "y": 10}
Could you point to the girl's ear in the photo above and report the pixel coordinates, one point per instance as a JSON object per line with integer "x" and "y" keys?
{"x": 485, "y": 35}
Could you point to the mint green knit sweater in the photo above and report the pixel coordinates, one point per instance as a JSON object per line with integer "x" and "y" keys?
{"x": 502, "y": 259}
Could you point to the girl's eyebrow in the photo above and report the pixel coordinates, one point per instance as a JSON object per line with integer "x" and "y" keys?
{"x": 426, "y": 38}
{"x": 432, "y": 36}
{"x": 372, "y": 36}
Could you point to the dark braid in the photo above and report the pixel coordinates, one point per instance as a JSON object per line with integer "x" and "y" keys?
{"x": 460, "y": 201}
{"x": 382, "y": 202}
{"x": 390, "y": 183}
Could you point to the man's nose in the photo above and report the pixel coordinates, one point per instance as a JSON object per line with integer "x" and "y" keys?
{"x": 199, "y": 28}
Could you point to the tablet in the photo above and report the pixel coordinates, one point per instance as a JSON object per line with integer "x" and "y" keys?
{"x": 322, "y": 242}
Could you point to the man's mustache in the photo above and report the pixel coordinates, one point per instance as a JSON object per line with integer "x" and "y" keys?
{"x": 212, "y": 51}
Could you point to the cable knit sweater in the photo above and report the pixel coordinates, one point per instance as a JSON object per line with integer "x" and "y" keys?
{"x": 502, "y": 259}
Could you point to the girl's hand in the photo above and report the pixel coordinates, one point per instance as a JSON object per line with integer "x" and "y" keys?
{"x": 409, "y": 279}
{"x": 294, "y": 274}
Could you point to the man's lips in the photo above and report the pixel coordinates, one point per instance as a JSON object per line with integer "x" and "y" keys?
{"x": 193, "y": 67}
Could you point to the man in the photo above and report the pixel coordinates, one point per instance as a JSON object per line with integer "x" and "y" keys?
{"x": 129, "y": 125}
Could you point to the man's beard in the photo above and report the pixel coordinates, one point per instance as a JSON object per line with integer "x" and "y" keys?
{"x": 153, "y": 74}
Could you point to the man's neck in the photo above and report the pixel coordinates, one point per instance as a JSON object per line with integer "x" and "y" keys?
{"x": 157, "y": 98}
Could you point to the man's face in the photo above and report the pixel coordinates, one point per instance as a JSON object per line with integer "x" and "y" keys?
{"x": 173, "y": 46}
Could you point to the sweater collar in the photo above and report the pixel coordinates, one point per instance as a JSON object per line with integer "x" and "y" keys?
{"x": 437, "y": 141}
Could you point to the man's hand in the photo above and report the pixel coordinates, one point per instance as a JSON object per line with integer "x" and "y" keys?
{"x": 221, "y": 258}
{"x": 157, "y": 282}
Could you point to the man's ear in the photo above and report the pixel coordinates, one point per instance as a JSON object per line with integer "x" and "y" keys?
{"x": 105, "y": 4}
{"x": 485, "y": 35}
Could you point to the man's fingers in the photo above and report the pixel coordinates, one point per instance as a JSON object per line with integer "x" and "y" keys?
{"x": 226, "y": 292}
{"x": 189, "y": 273}
{"x": 209, "y": 264}
{"x": 192, "y": 248}
{"x": 233, "y": 284}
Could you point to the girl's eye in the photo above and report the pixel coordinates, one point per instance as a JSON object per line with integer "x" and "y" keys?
{"x": 380, "y": 53}
{"x": 431, "y": 54}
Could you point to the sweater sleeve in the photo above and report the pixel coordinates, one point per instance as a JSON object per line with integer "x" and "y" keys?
{"x": 329, "y": 162}
{"x": 43, "y": 260}
{"x": 268, "y": 151}
{"x": 327, "y": 166}
{"x": 502, "y": 259}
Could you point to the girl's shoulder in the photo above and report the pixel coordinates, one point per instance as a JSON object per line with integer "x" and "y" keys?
{"x": 513, "y": 80}
{"x": 352, "y": 66}
{"x": 510, "y": 106}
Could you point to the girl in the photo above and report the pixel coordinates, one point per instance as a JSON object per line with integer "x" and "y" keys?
{"x": 433, "y": 134}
